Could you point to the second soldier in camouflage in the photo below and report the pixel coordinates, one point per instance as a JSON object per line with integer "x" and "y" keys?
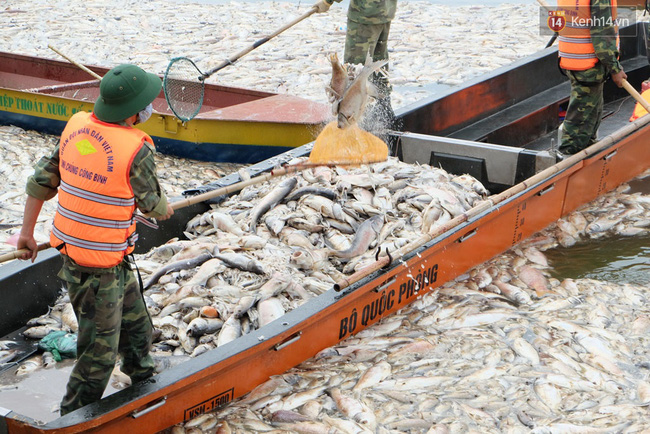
{"x": 587, "y": 72}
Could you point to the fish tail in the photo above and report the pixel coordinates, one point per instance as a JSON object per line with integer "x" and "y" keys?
{"x": 369, "y": 67}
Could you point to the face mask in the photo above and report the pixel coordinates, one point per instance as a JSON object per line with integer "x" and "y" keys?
{"x": 144, "y": 114}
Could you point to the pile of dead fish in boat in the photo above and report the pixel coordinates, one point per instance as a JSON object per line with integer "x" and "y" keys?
{"x": 273, "y": 246}
{"x": 503, "y": 348}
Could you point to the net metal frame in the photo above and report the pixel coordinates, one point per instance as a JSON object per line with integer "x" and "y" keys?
{"x": 184, "y": 88}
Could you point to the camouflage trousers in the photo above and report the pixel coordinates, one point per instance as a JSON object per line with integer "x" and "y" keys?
{"x": 362, "y": 40}
{"x": 580, "y": 128}
{"x": 112, "y": 319}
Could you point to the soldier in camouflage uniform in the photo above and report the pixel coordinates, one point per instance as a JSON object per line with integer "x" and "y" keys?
{"x": 580, "y": 127}
{"x": 368, "y": 26}
{"x": 108, "y": 302}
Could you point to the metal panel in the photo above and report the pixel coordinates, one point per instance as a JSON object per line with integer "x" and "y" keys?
{"x": 608, "y": 169}
{"x": 27, "y": 289}
{"x": 501, "y": 161}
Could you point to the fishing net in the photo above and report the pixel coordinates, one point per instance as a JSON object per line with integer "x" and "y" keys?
{"x": 184, "y": 87}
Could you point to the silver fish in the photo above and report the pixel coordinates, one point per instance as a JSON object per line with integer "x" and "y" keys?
{"x": 270, "y": 310}
{"x": 367, "y": 233}
{"x": 230, "y": 331}
{"x": 30, "y": 365}
{"x": 7, "y": 356}
{"x": 39, "y": 332}
{"x": 201, "y": 326}
{"x": 241, "y": 262}
{"x": 225, "y": 223}
{"x": 208, "y": 269}
{"x": 352, "y": 104}
{"x": 312, "y": 190}
{"x": 270, "y": 200}
{"x": 184, "y": 264}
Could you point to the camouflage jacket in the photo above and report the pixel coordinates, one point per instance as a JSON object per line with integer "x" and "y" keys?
{"x": 150, "y": 199}
{"x": 371, "y": 11}
{"x": 604, "y": 37}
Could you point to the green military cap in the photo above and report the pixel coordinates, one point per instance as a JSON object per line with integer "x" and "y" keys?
{"x": 124, "y": 91}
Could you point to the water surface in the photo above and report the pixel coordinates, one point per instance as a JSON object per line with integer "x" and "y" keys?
{"x": 613, "y": 259}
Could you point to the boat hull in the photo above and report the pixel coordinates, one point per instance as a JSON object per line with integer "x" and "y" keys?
{"x": 234, "y": 125}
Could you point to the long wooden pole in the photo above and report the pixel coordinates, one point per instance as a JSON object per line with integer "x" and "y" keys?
{"x": 188, "y": 202}
{"x": 78, "y": 65}
{"x": 183, "y": 203}
{"x": 632, "y": 91}
{"x": 235, "y": 57}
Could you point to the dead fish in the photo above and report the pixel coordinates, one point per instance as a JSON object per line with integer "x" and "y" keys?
{"x": 6, "y": 344}
{"x": 274, "y": 224}
{"x": 39, "y": 332}
{"x": 208, "y": 269}
{"x": 184, "y": 264}
{"x": 7, "y": 356}
{"x": 513, "y": 293}
{"x": 534, "y": 278}
{"x": 340, "y": 79}
{"x": 535, "y": 256}
{"x": 603, "y": 224}
{"x": 163, "y": 363}
{"x": 270, "y": 200}
{"x": 305, "y": 225}
{"x": 251, "y": 242}
{"x": 48, "y": 360}
{"x": 119, "y": 379}
{"x": 373, "y": 376}
{"x": 241, "y": 262}
{"x": 352, "y": 104}
{"x": 225, "y": 223}
{"x": 276, "y": 284}
{"x": 270, "y": 310}
{"x": 367, "y": 233}
{"x": 243, "y": 305}
{"x": 311, "y": 190}
{"x": 349, "y": 406}
{"x": 288, "y": 416}
{"x": 312, "y": 259}
{"x": 69, "y": 319}
{"x": 230, "y": 331}
{"x": 30, "y": 365}
{"x": 203, "y": 326}
{"x": 295, "y": 238}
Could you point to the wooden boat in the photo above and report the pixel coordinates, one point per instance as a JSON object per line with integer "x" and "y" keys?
{"x": 234, "y": 125}
{"x": 497, "y": 126}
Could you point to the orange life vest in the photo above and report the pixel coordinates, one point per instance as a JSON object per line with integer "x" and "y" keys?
{"x": 94, "y": 222}
{"x": 575, "y": 48}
